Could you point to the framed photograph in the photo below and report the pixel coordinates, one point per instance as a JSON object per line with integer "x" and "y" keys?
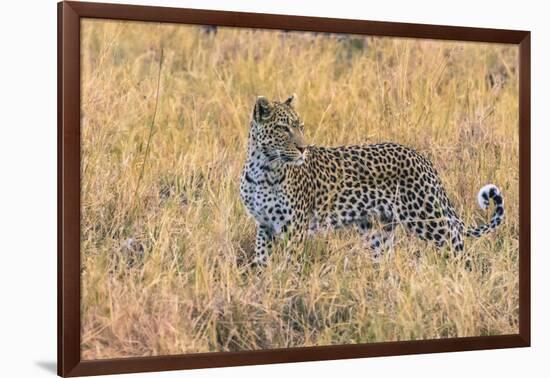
{"x": 239, "y": 188}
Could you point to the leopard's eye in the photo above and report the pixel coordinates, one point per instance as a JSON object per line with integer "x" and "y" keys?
{"x": 284, "y": 128}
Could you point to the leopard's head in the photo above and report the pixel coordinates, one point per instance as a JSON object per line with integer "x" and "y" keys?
{"x": 276, "y": 130}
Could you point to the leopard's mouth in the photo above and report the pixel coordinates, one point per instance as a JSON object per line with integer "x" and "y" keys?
{"x": 297, "y": 158}
{"x": 304, "y": 155}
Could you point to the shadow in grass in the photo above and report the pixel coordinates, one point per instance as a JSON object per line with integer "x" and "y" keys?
{"x": 50, "y": 366}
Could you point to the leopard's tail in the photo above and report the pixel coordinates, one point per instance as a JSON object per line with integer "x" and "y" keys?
{"x": 485, "y": 194}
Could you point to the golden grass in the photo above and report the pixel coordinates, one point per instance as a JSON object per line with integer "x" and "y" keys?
{"x": 163, "y": 262}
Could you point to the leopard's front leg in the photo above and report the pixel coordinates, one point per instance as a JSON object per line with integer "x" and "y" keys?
{"x": 295, "y": 235}
{"x": 292, "y": 235}
{"x": 264, "y": 243}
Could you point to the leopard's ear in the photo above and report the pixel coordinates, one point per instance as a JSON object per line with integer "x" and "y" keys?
{"x": 262, "y": 108}
{"x": 290, "y": 99}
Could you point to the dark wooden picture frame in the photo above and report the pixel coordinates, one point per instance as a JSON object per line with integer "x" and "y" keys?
{"x": 69, "y": 321}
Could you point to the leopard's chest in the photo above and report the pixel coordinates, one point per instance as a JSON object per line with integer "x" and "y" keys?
{"x": 264, "y": 196}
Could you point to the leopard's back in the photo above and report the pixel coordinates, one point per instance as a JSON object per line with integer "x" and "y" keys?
{"x": 359, "y": 182}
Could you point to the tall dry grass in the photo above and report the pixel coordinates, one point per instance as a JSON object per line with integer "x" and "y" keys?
{"x": 163, "y": 257}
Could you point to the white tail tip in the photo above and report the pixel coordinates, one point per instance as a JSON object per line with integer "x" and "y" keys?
{"x": 483, "y": 195}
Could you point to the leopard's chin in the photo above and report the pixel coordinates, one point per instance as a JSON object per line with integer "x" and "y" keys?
{"x": 297, "y": 162}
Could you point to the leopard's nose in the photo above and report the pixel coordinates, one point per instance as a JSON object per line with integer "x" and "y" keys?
{"x": 301, "y": 149}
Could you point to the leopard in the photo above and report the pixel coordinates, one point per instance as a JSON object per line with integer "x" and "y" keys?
{"x": 293, "y": 189}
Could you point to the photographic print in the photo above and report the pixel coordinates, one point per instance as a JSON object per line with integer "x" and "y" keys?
{"x": 249, "y": 189}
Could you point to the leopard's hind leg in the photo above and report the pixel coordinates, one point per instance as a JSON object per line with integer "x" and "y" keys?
{"x": 457, "y": 241}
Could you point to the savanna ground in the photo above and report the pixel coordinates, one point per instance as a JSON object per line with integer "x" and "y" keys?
{"x": 166, "y": 240}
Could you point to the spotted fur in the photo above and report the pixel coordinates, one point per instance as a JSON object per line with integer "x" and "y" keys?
{"x": 291, "y": 188}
